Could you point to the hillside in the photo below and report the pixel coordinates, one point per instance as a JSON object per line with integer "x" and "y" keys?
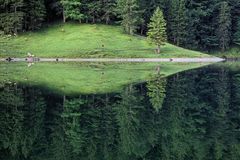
{"x": 85, "y": 40}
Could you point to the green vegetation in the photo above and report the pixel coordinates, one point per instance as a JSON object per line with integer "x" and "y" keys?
{"x": 71, "y": 78}
{"x": 71, "y": 10}
{"x": 130, "y": 13}
{"x": 224, "y": 21}
{"x": 203, "y": 25}
{"x": 157, "y": 29}
{"x": 237, "y": 34}
{"x": 83, "y": 40}
{"x": 233, "y": 52}
{"x": 193, "y": 115}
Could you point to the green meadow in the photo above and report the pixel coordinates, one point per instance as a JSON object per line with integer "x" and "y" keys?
{"x": 85, "y": 40}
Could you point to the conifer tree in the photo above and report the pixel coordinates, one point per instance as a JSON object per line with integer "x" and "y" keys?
{"x": 11, "y": 16}
{"x": 177, "y": 21}
{"x": 157, "y": 29}
{"x": 157, "y": 92}
{"x": 108, "y": 9}
{"x": 35, "y": 13}
{"x": 71, "y": 10}
{"x": 224, "y": 26}
{"x": 237, "y": 34}
{"x": 130, "y": 13}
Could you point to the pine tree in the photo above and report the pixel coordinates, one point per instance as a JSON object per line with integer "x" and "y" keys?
{"x": 71, "y": 10}
{"x": 157, "y": 92}
{"x": 71, "y": 118}
{"x": 177, "y": 21}
{"x": 93, "y": 10}
{"x": 35, "y": 13}
{"x": 237, "y": 34}
{"x": 130, "y": 14}
{"x": 148, "y": 7}
{"x": 157, "y": 29}
{"x": 224, "y": 26}
{"x": 11, "y": 16}
{"x": 108, "y": 9}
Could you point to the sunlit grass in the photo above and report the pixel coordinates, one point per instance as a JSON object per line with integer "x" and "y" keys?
{"x": 85, "y": 40}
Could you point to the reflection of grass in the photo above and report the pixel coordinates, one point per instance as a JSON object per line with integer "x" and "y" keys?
{"x": 234, "y": 66}
{"x": 82, "y": 40}
{"x": 70, "y": 78}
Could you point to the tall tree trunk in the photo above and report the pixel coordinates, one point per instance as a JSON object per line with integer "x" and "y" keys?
{"x": 159, "y": 49}
{"x": 64, "y": 17}
{"x": 142, "y": 29}
{"x": 107, "y": 19}
{"x": 178, "y": 41}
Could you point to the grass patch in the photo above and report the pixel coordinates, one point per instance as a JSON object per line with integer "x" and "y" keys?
{"x": 85, "y": 40}
{"x": 233, "y": 52}
{"x": 90, "y": 78}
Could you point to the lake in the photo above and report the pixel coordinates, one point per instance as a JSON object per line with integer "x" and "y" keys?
{"x": 99, "y": 111}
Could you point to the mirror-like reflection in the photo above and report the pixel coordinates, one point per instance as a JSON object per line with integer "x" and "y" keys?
{"x": 190, "y": 115}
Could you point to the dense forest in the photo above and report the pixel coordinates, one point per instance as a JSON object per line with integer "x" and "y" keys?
{"x": 196, "y": 24}
{"x": 178, "y": 118}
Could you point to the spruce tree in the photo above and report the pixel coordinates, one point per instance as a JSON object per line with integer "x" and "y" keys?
{"x": 35, "y": 13}
{"x": 71, "y": 10}
{"x": 224, "y": 26}
{"x": 237, "y": 34}
{"x": 108, "y": 9}
{"x": 11, "y": 16}
{"x": 93, "y": 10}
{"x": 157, "y": 92}
{"x": 177, "y": 21}
{"x": 157, "y": 29}
{"x": 130, "y": 14}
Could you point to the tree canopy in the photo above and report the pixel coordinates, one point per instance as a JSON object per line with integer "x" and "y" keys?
{"x": 204, "y": 25}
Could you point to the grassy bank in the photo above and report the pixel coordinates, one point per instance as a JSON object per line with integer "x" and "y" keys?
{"x": 233, "y": 52}
{"x": 84, "y": 40}
{"x": 74, "y": 78}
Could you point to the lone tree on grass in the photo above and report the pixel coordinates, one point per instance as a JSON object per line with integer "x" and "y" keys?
{"x": 157, "y": 29}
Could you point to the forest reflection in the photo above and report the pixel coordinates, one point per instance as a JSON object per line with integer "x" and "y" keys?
{"x": 191, "y": 115}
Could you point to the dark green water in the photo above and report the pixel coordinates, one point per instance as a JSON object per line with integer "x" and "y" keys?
{"x": 191, "y": 115}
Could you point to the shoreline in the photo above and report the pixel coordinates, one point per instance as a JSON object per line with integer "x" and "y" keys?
{"x": 178, "y": 60}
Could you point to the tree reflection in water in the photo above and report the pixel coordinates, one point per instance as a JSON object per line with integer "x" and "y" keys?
{"x": 191, "y": 115}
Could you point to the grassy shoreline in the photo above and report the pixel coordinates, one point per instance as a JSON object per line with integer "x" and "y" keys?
{"x": 87, "y": 41}
{"x": 232, "y": 53}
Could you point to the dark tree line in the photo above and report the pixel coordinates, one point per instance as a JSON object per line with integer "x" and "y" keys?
{"x": 204, "y": 24}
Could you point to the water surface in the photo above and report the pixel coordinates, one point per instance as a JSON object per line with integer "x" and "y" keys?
{"x": 193, "y": 114}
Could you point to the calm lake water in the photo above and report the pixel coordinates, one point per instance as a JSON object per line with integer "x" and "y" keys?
{"x": 190, "y": 115}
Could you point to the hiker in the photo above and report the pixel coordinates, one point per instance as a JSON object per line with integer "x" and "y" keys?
{"x": 30, "y": 58}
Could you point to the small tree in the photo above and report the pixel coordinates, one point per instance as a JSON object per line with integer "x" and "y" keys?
{"x": 157, "y": 29}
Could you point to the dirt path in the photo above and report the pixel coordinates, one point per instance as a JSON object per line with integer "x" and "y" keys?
{"x": 183, "y": 60}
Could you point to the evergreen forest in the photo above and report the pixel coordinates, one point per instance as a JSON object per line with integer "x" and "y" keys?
{"x": 206, "y": 25}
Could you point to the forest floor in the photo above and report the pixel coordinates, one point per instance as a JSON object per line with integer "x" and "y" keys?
{"x": 87, "y": 41}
